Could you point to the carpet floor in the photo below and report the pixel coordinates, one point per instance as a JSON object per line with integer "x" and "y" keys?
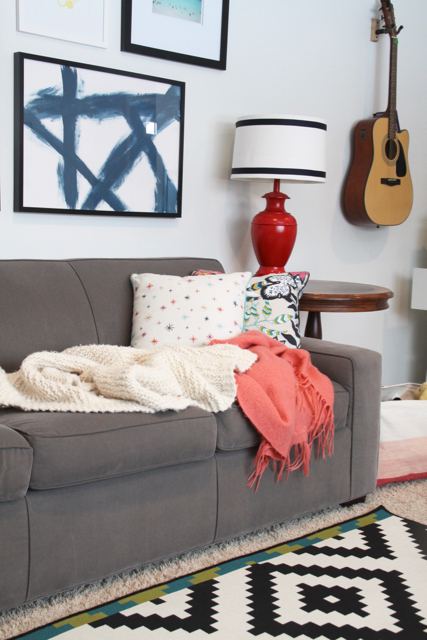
{"x": 408, "y": 500}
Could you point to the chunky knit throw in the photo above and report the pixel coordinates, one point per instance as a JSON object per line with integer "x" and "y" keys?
{"x": 288, "y": 400}
{"x": 105, "y": 378}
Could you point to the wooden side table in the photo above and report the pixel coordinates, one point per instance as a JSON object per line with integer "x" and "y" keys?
{"x": 327, "y": 295}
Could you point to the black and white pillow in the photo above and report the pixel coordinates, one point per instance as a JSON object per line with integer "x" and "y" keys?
{"x": 272, "y": 306}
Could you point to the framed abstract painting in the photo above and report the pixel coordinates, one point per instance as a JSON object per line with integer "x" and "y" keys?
{"x": 82, "y": 21}
{"x": 192, "y": 31}
{"x": 91, "y": 140}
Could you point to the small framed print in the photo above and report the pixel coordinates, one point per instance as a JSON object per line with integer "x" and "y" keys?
{"x": 82, "y": 21}
{"x": 192, "y": 31}
{"x": 90, "y": 140}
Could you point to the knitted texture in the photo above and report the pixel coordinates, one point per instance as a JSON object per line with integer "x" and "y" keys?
{"x": 288, "y": 400}
{"x": 106, "y": 378}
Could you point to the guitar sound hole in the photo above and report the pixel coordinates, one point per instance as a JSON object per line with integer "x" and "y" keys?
{"x": 391, "y": 149}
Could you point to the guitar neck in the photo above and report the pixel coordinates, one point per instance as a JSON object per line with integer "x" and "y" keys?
{"x": 391, "y": 109}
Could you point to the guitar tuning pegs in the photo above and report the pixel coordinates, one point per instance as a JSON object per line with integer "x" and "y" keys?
{"x": 399, "y": 30}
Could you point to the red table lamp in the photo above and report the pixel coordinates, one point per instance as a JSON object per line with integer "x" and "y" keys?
{"x": 277, "y": 147}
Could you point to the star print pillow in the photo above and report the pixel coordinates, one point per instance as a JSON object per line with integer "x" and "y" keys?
{"x": 272, "y": 306}
{"x": 189, "y": 311}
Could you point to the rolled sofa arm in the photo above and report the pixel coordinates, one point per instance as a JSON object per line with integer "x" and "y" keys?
{"x": 359, "y": 372}
{"x": 16, "y": 460}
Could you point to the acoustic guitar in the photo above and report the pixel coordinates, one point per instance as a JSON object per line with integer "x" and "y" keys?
{"x": 379, "y": 186}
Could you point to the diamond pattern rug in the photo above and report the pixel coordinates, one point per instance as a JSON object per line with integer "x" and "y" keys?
{"x": 364, "y": 579}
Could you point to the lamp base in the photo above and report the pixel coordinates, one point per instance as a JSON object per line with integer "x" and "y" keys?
{"x": 273, "y": 232}
{"x": 265, "y": 271}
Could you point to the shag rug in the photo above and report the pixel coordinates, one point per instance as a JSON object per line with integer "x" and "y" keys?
{"x": 376, "y": 558}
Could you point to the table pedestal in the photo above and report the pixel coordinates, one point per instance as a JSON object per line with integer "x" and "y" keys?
{"x": 313, "y": 327}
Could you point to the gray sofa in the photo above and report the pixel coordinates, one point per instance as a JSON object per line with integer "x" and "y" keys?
{"x": 84, "y": 496}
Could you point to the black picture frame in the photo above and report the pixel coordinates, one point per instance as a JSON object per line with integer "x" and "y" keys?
{"x": 96, "y": 141}
{"x": 179, "y": 45}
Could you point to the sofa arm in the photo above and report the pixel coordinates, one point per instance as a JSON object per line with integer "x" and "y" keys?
{"x": 359, "y": 372}
{"x": 16, "y": 460}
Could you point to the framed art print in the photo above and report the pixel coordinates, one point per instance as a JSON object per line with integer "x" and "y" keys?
{"x": 192, "y": 31}
{"x": 91, "y": 140}
{"x": 81, "y": 21}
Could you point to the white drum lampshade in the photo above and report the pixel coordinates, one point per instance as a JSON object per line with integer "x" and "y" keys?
{"x": 278, "y": 147}
{"x": 290, "y": 148}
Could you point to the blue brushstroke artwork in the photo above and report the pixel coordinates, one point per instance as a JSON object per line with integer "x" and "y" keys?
{"x": 146, "y": 115}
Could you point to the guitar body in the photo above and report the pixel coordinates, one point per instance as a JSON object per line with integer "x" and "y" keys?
{"x": 379, "y": 187}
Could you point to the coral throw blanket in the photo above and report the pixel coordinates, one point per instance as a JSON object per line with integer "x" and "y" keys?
{"x": 288, "y": 400}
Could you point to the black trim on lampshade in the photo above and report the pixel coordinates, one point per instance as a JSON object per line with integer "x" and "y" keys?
{"x": 285, "y": 122}
{"x": 275, "y": 170}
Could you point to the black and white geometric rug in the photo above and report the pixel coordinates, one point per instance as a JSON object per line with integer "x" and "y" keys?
{"x": 365, "y": 579}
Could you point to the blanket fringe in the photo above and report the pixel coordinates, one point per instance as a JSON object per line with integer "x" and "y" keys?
{"x": 321, "y": 432}
{"x": 264, "y": 455}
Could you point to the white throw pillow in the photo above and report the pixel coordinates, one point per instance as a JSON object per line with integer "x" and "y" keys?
{"x": 189, "y": 311}
{"x": 272, "y": 306}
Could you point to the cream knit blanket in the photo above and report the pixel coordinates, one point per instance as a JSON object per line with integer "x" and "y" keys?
{"x": 106, "y": 378}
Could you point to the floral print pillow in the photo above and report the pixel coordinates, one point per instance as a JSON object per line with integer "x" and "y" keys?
{"x": 189, "y": 311}
{"x": 272, "y": 306}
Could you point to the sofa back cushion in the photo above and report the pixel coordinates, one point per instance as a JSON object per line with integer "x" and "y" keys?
{"x": 110, "y": 291}
{"x": 43, "y": 308}
{"x": 49, "y": 305}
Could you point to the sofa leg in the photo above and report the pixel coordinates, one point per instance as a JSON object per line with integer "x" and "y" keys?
{"x": 350, "y": 503}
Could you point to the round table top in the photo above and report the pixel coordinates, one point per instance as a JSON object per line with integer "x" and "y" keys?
{"x": 328, "y": 295}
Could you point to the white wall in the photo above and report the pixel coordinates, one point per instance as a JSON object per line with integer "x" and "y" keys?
{"x": 284, "y": 56}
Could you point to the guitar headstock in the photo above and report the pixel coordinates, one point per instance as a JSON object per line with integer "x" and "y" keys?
{"x": 389, "y": 19}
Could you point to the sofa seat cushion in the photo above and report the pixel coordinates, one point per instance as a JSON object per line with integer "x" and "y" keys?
{"x": 16, "y": 458}
{"x": 74, "y": 448}
{"x": 235, "y": 430}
